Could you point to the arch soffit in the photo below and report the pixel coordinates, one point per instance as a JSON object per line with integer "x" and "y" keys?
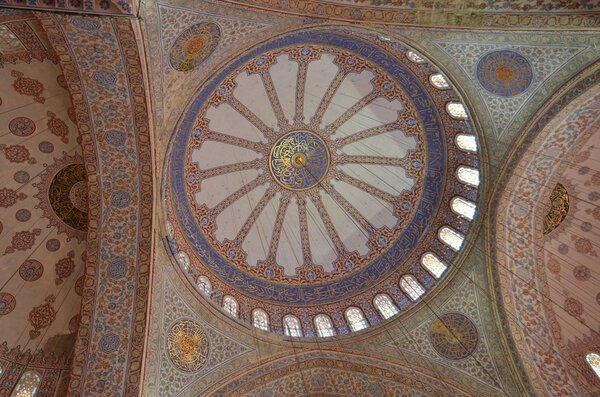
{"x": 571, "y": 98}
{"x": 112, "y": 195}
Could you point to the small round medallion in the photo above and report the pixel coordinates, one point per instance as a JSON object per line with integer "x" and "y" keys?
{"x": 504, "y": 73}
{"x": 187, "y": 345}
{"x": 453, "y": 336}
{"x": 299, "y": 160}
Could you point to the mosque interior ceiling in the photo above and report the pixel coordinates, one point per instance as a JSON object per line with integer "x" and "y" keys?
{"x": 299, "y": 198}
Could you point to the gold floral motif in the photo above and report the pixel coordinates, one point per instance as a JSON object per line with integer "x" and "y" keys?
{"x": 187, "y": 345}
{"x": 560, "y": 207}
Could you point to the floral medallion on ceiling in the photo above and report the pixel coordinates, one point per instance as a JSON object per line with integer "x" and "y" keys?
{"x": 504, "y": 73}
{"x": 453, "y": 336}
{"x": 313, "y": 172}
{"x": 187, "y": 345}
{"x": 194, "y": 45}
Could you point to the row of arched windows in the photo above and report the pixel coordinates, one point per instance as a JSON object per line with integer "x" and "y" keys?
{"x": 439, "y": 81}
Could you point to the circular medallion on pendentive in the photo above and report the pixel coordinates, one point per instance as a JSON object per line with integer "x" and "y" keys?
{"x": 194, "y": 46}
{"x": 505, "y": 73}
{"x": 299, "y": 160}
{"x": 453, "y": 336}
{"x": 187, "y": 345}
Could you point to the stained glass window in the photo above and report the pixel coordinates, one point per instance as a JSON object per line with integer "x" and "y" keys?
{"x": 467, "y": 175}
{"x": 230, "y": 305}
{"x": 411, "y": 286}
{"x": 413, "y": 56}
{"x": 356, "y": 319}
{"x": 324, "y": 326}
{"x": 384, "y": 304}
{"x": 291, "y": 326}
{"x": 439, "y": 81}
{"x": 27, "y": 385}
{"x": 183, "y": 260}
{"x": 463, "y": 207}
{"x": 260, "y": 319}
{"x": 456, "y": 110}
{"x": 204, "y": 285}
{"x": 466, "y": 142}
{"x": 451, "y": 238}
{"x": 433, "y": 264}
{"x": 593, "y": 359}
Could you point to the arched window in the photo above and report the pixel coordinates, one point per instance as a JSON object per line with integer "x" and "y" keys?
{"x": 204, "y": 285}
{"x": 451, "y": 238}
{"x": 411, "y": 287}
{"x": 456, "y": 110}
{"x": 230, "y": 305}
{"x": 356, "y": 319}
{"x": 260, "y": 319}
{"x": 439, "y": 81}
{"x": 324, "y": 326}
{"x": 27, "y": 385}
{"x": 466, "y": 142}
{"x": 467, "y": 175}
{"x": 413, "y": 56}
{"x": 463, "y": 207}
{"x": 183, "y": 260}
{"x": 386, "y": 307}
{"x": 433, "y": 265}
{"x": 291, "y": 326}
{"x": 593, "y": 359}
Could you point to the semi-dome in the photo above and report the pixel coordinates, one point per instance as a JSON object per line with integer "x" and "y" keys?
{"x": 321, "y": 182}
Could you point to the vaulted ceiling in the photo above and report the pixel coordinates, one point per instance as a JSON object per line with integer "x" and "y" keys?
{"x": 300, "y": 158}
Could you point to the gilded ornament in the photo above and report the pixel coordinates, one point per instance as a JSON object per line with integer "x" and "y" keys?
{"x": 187, "y": 345}
{"x": 559, "y": 209}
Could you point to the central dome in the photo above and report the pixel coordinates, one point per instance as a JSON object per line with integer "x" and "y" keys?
{"x": 308, "y": 172}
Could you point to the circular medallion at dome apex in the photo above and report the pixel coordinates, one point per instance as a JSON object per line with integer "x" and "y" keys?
{"x": 303, "y": 228}
{"x": 299, "y": 160}
{"x": 505, "y": 73}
